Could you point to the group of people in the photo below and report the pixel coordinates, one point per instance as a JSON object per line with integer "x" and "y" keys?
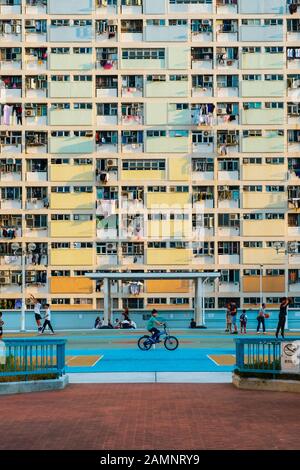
{"x": 125, "y": 322}
{"x": 38, "y": 315}
{"x": 231, "y": 319}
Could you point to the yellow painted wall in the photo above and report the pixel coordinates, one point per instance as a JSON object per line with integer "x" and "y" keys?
{"x": 264, "y": 228}
{"x": 146, "y": 175}
{"x": 269, "y": 283}
{"x": 163, "y": 286}
{"x": 71, "y": 285}
{"x": 70, "y": 173}
{"x": 179, "y": 169}
{"x": 262, "y": 256}
{"x": 264, "y": 200}
{"x": 167, "y": 200}
{"x": 72, "y": 228}
{"x": 168, "y": 229}
{"x": 72, "y": 257}
{"x": 264, "y": 172}
{"x": 165, "y": 256}
{"x": 72, "y": 307}
{"x": 72, "y": 201}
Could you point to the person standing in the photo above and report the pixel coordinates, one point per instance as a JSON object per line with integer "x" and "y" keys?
{"x": 261, "y": 319}
{"x": 47, "y": 319}
{"x": 228, "y": 319}
{"x": 282, "y": 316}
{"x": 243, "y": 321}
{"x": 233, "y": 313}
{"x": 1, "y": 325}
{"x": 37, "y": 312}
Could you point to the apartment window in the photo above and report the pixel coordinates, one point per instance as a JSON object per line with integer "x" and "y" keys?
{"x": 60, "y": 217}
{"x": 82, "y": 78}
{"x": 253, "y": 188}
{"x": 143, "y": 165}
{"x": 251, "y": 50}
{"x": 251, "y": 77}
{"x": 252, "y": 161}
{"x": 83, "y": 301}
{"x": 57, "y": 23}
{"x": 60, "y": 273}
{"x": 157, "y": 245}
{"x": 253, "y": 244}
{"x": 252, "y": 300}
{"x": 275, "y": 161}
{"x": 157, "y": 300}
{"x": 251, "y": 22}
{"x": 133, "y": 303}
{"x": 60, "y": 50}
{"x": 83, "y": 217}
{"x": 179, "y": 300}
{"x": 143, "y": 54}
{"x": 274, "y": 77}
{"x": 273, "y": 300}
{"x": 82, "y": 50}
{"x": 274, "y": 50}
{"x": 275, "y": 189}
{"x": 106, "y": 248}
{"x": 178, "y": 78}
{"x": 82, "y": 22}
{"x": 273, "y": 22}
{"x": 203, "y": 249}
{"x": 228, "y": 248}
{"x": 60, "y": 301}
{"x": 157, "y": 189}
{"x": 60, "y": 189}
{"x": 83, "y": 189}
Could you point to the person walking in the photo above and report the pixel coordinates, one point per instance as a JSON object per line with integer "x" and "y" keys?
{"x": 282, "y": 316}
{"x": 233, "y": 313}
{"x": 243, "y": 321}
{"x": 261, "y": 319}
{"x": 37, "y": 312}
{"x": 47, "y": 319}
{"x": 1, "y": 325}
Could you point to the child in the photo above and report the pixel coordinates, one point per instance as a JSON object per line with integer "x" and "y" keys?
{"x": 243, "y": 320}
{"x": 1, "y": 325}
{"x": 47, "y": 319}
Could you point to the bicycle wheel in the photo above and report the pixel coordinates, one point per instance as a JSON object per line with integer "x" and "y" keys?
{"x": 171, "y": 343}
{"x": 144, "y": 344}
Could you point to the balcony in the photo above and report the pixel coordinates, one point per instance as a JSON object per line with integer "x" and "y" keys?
{"x": 228, "y": 197}
{"x": 131, "y": 7}
{"x": 293, "y": 113}
{"x": 106, "y": 86}
{"x": 36, "y": 31}
{"x": 293, "y": 86}
{"x": 8, "y": 203}
{"x": 106, "y": 141}
{"x": 203, "y": 197}
{"x": 132, "y": 141}
{"x": 36, "y": 170}
{"x": 293, "y": 141}
{"x": 106, "y": 7}
{"x": 228, "y": 114}
{"x": 202, "y": 58}
{"x": 227, "y": 7}
{"x": 106, "y": 30}
{"x": 10, "y": 7}
{"x": 107, "y": 260}
{"x": 107, "y": 227}
{"x": 107, "y": 170}
{"x": 201, "y": 30}
{"x": 11, "y": 30}
{"x": 133, "y": 259}
{"x": 131, "y": 30}
{"x": 36, "y": 226}
{"x": 36, "y": 86}
{"x": 36, "y": 142}
{"x": 227, "y": 31}
{"x": 10, "y": 227}
{"x": 10, "y": 59}
{"x": 132, "y": 86}
{"x": 36, "y": 59}
{"x": 227, "y": 58}
{"x": 37, "y": 198}
{"x": 10, "y": 169}
{"x": 10, "y": 87}
{"x": 10, "y": 142}
{"x": 107, "y": 114}
{"x": 36, "y": 7}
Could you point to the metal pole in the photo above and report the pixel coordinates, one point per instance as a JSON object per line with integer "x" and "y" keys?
{"x": 286, "y": 288}
{"x": 260, "y": 284}
{"x": 23, "y": 308}
{"x": 203, "y": 301}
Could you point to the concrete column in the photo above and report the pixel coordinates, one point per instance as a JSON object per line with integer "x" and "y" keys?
{"x": 198, "y": 301}
{"x": 107, "y": 300}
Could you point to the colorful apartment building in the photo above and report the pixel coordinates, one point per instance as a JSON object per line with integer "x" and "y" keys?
{"x": 149, "y": 135}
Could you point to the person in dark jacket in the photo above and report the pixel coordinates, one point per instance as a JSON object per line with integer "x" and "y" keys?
{"x": 282, "y": 316}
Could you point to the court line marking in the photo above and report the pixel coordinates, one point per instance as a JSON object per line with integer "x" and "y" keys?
{"x": 99, "y": 359}
{"x": 217, "y": 363}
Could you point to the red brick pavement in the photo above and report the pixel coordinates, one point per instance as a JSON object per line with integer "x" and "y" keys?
{"x": 150, "y": 416}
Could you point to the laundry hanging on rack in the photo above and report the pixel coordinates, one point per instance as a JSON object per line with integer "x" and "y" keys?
{"x": 7, "y": 113}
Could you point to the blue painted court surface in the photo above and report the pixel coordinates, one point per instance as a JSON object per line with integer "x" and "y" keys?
{"x": 155, "y": 360}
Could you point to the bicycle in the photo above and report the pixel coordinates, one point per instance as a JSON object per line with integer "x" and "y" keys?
{"x": 170, "y": 342}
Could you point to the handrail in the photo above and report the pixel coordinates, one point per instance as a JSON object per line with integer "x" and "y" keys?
{"x": 260, "y": 355}
{"x": 25, "y": 357}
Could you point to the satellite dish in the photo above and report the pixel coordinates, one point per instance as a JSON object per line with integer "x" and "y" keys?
{"x": 15, "y": 246}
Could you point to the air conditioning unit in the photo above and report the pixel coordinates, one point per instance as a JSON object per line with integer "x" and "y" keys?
{"x": 29, "y": 23}
{"x": 29, "y": 112}
{"x": 4, "y": 280}
{"x": 10, "y": 161}
{"x": 112, "y": 162}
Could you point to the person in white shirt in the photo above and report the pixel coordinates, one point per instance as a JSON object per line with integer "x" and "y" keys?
{"x": 47, "y": 319}
{"x": 37, "y": 312}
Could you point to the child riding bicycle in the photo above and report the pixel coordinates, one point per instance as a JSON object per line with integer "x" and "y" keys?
{"x": 155, "y": 320}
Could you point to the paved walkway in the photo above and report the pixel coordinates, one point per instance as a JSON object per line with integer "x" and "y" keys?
{"x": 150, "y": 416}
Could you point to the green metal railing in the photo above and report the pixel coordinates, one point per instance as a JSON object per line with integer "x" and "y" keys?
{"x": 259, "y": 355}
{"x": 27, "y": 357}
